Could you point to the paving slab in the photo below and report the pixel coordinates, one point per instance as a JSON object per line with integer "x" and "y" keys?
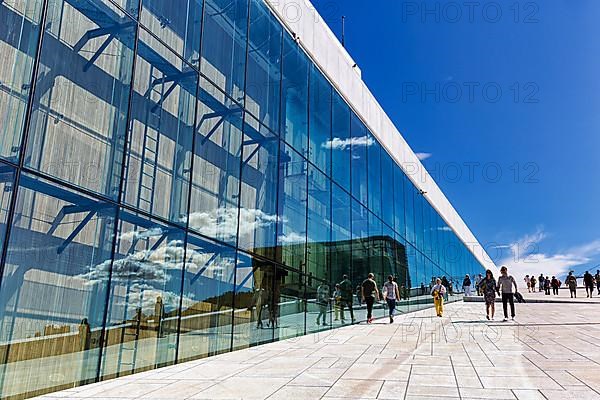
{"x": 551, "y": 351}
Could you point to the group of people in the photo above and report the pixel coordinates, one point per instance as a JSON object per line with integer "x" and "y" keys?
{"x": 545, "y": 284}
{"x": 489, "y": 287}
{"x": 367, "y": 293}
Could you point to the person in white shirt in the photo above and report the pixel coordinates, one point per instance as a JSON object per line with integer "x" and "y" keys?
{"x": 390, "y": 288}
{"x": 505, "y": 286}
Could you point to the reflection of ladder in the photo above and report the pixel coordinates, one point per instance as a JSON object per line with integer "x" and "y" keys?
{"x": 130, "y": 335}
{"x": 149, "y": 156}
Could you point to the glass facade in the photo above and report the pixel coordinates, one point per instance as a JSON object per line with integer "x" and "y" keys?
{"x": 178, "y": 180}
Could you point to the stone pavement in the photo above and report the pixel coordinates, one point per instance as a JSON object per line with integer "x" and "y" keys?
{"x": 552, "y": 351}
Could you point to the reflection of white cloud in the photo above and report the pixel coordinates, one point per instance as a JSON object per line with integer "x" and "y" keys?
{"x": 423, "y": 156}
{"x": 291, "y": 238}
{"x": 345, "y": 144}
{"x": 141, "y": 267}
{"x": 223, "y": 222}
{"x": 157, "y": 231}
{"x": 445, "y": 229}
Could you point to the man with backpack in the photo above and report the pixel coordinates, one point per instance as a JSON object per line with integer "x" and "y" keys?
{"x": 369, "y": 295}
{"x": 346, "y": 298}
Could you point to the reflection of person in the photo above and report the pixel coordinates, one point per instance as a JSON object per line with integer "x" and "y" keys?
{"x": 258, "y": 298}
{"x": 554, "y": 283}
{"x": 489, "y": 288}
{"x": 322, "y": 302}
{"x": 369, "y": 295}
{"x": 337, "y": 301}
{"x": 597, "y": 278}
{"x": 403, "y": 292}
{"x": 438, "y": 291}
{"x": 423, "y": 290}
{"x": 346, "y": 297}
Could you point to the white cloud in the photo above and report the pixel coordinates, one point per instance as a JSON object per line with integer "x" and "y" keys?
{"x": 526, "y": 258}
{"x": 345, "y": 144}
{"x": 423, "y": 156}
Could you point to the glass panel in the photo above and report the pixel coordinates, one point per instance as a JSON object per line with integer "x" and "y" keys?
{"x": 80, "y": 103}
{"x": 387, "y": 188}
{"x": 360, "y": 242}
{"x": 374, "y": 259}
{"x": 255, "y": 311}
{"x": 341, "y": 234}
{"x": 145, "y": 295}
{"x": 131, "y": 6}
{"x": 206, "y": 313}
{"x": 294, "y": 96}
{"x": 340, "y": 142}
{"x": 360, "y": 142}
{"x": 258, "y": 198}
{"x": 224, "y": 44}
{"x": 217, "y": 155}
{"x": 409, "y": 210}
{"x": 374, "y": 185}
{"x": 52, "y": 302}
{"x": 290, "y": 305}
{"x": 418, "y": 203}
{"x": 160, "y": 134}
{"x": 19, "y": 34}
{"x": 320, "y": 121}
{"x": 291, "y": 232}
{"x": 263, "y": 75}
{"x": 402, "y": 276}
{"x": 177, "y": 23}
{"x": 399, "y": 218}
{"x": 319, "y": 225}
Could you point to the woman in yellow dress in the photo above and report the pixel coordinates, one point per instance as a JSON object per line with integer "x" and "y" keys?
{"x": 438, "y": 291}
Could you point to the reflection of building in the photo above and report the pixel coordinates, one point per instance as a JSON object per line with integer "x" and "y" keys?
{"x": 167, "y": 166}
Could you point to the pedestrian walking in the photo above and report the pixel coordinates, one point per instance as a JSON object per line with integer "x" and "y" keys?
{"x": 597, "y": 278}
{"x": 346, "y": 297}
{"x": 571, "y": 282}
{"x": 369, "y": 295}
{"x": 555, "y": 285}
{"x": 588, "y": 281}
{"x": 541, "y": 282}
{"x": 505, "y": 286}
{"x": 489, "y": 288}
{"x": 528, "y": 283}
{"x": 390, "y": 288}
{"x": 438, "y": 291}
{"x": 467, "y": 285}
{"x": 533, "y": 283}
{"x": 547, "y": 286}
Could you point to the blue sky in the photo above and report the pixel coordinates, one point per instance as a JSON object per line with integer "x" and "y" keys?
{"x": 517, "y": 90}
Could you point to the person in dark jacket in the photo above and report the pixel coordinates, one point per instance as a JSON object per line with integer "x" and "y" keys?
{"x": 588, "y": 281}
{"x": 555, "y": 285}
{"x": 547, "y": 284}
{"x": 572, "y": 284}
{"x": 467, "y": 285}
